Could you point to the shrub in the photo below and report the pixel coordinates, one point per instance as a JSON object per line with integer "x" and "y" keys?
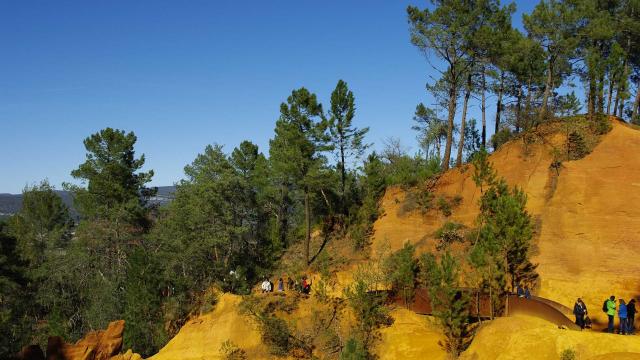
{"x": 275, "y": 334}
{"x": 230, "y": 351}
{"x": 368, "y": 308}
{"x": 601, "y": 124}
{"x": 576, "y": 146}
{"x": 501, "y": 137}
{"x": 444, "y": 206}
{"x": 416, "y": 200}
{"x": 449, "y": 233}
{"x": 354, "y": 350}
{"x": 401, "y": 268}
{"x": 568, "y": 354}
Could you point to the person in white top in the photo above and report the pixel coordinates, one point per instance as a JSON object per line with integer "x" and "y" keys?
{"x": 266, "y": 285}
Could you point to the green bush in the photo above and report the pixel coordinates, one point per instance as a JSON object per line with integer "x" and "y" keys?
{"x": 568, "y": 354}
{"x": 401, "y": 269}
{"x": 444, "y": 206}
{"x": 449, "y": 233}
{"x": 576, "y": 146}
{"x": 354, "y": 350}
{"x": 501, "y": 137}
{"x": 601, "y": 124}
{"x": 230, "y": 351}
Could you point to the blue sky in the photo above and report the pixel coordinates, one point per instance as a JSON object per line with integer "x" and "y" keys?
{"x": 184, "y": 74}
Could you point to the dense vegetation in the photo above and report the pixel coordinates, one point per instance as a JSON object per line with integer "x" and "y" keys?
{"x": 235, "y": 213}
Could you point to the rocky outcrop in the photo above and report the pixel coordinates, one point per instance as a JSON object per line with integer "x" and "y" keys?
{"x": 97, "y": 345}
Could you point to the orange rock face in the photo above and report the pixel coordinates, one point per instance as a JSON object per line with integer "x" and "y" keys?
{"x": 97, "y": 345}
{"x": 588, "y": 218}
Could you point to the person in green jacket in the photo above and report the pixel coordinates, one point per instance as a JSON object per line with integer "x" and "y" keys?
{"x": 611, "y": 311}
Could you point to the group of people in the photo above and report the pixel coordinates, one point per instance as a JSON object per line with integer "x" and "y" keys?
{"x": 304, "y": 286}
{"x": 626, "y": 314}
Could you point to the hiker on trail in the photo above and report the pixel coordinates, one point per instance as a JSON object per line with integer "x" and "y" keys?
{"x": 290, "y": 283}
{"x": 580, "y": 310}
{"x": 622, "y": 314}
{"x": 527, "y": 293}
{"x": 266, "y": 285}
{"x": 519, "y": 291}
{"x": 280, "y": 285}
{"x": 609, "y": 307}
{"x": 631, "y": 315}
{"x": 306, "y": 286}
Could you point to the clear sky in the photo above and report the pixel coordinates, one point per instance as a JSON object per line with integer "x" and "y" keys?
{"x": 184, "y": 74}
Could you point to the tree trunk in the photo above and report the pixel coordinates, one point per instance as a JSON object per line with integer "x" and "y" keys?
{"x": 547, "y": 90}
{"x": 343, "y": 176}
{"x": 527, "y": 106}
{"x": 519, "y": 108}
{"x": 463, "y": 122}
{"x": 600, "y": 107}
{"x": 307, "y": 222}
{"x": 452, "y": 113}
{"x": 499, "y": 103}
{"x": 622, "y": 87}
{"x": 636, "y": 104}
{"x": 483, "y": 107}
{"x": 610, "y": 96}
{"x": 591, "y": 103}
{"x": 615, "y": 104}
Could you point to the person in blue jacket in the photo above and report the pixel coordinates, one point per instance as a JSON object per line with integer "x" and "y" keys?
{"x": 622, "y": 314}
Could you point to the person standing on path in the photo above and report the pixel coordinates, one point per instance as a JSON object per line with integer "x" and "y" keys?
{"x": 631, "y": 315}
{"x": 610, "y": 306}
{"x": 622, "y": 314}
{"x": 579, "y": 310}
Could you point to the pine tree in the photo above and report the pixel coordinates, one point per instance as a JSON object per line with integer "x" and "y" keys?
{"x": 445, "y": 31}
{"x": 347, "y": 140}
{"x": 450, "y": 304}
{"x": 553, "y": 25}
{"x": 42, "y": 225}
{"x": 296, "y": 150}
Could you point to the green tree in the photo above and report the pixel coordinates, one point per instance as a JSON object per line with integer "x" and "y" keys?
{"x": 15, "y": 324}
{"x": 505, "y": 231}
{"x": 114, "y": 219}
{"x": 553, "y": 25}
{"x": 346, "y": 139}
{"x": 450, "y": 304}
{"x": 431, "y": 130}
{"x": 115, "y": 188}
{"x": 445, "y": 31}
{"x": 42, "y": 224}
{"x": 401, "y": 269}
{"x": 296, "y": 150}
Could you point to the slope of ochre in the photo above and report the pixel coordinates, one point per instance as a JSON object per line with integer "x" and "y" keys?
{"x": 523, "y": 337}
{"x": 202, "y": 337}
{"x": 588, "y": 218}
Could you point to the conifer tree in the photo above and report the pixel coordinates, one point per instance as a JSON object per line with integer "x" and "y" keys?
{"x": 450, "y": 304}
{"x": 445, "y": 31}
{"x": 296, "y": 150}
{"x": 553, "y": 25}
{"x": 347, "y": 140}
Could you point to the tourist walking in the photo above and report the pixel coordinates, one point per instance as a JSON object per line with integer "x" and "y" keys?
{"x": 580, "y": 310}
{"x": 610, "y": 308}
{"x": 280, "y": 284}
{"x": 622, "y": 314}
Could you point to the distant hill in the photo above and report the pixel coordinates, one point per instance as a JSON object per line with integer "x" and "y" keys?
{"x": 11, "y": 203}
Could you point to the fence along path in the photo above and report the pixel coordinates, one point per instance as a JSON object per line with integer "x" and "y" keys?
{"x": 542, "y": 308}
